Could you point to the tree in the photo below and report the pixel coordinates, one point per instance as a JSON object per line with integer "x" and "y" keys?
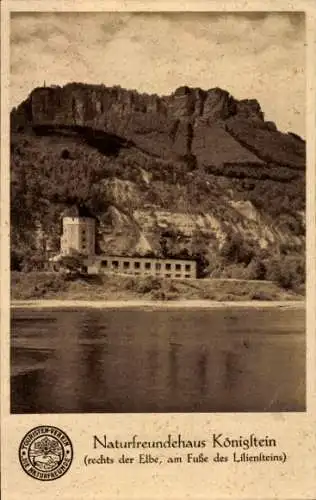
{"x": 288, "y": 272}
{"x": 16, "y": 260}
{"x": 74, "y": 263}
{"x": 257, "y": 269}
{"x": 238, "y": 250}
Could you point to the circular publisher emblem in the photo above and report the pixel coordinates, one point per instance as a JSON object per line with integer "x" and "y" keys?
{"x": 45, "y": 453}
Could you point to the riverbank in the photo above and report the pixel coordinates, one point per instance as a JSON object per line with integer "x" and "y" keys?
{"x": 176, "y": 304}
{"x": 115, "y": 289}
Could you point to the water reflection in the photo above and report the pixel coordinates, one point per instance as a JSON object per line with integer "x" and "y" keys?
{"x": 201, "y": 371}
{"x": 173, "y": 365}
{"x": 157, "y": 361}
{"x": 232, "y": 370}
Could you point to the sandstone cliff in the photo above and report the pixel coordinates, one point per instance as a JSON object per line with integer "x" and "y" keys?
{"x": 177, "y": 174}
{"x": 211, "y": 125}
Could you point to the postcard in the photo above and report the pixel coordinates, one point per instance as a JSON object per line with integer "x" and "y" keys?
{"x": 158, "y": 250}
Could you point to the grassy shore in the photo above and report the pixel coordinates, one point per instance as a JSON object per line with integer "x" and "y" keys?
{"x": 56, "y": 287}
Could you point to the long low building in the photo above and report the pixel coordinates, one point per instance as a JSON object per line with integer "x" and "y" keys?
{"x": 141, "y": 266}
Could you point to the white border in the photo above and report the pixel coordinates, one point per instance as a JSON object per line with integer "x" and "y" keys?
{"x": 297, "y": 429}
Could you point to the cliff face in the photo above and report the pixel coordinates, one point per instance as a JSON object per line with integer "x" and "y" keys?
{"x": 192, "y": 165}
{"x": 211, "y": 125}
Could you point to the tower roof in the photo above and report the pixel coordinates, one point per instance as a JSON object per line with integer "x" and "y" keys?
{"x": 78, "y": 211}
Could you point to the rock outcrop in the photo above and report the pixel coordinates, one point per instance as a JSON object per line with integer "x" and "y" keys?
{"x": 210, "y": 125}
{"x": 164, "y": 174}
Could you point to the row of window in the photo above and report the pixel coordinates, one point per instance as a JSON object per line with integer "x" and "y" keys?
{"x": 115, "y": 264}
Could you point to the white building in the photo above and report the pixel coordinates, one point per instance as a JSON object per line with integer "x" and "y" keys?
{"x": 141, "y": 266}
{"x": 78, "y": 233}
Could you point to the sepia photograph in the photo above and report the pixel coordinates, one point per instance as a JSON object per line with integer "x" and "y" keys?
{"x": 157, "y": 212}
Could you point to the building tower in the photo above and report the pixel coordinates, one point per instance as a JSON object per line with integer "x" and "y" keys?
{"x": 78, "y": 232}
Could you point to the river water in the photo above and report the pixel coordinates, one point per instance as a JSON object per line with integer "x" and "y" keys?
{"x": 143, "y": 360}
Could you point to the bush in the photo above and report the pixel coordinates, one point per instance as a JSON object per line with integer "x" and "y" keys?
{"x": 236, "y": 249}
{"x": 164, "y": 295}
{"x": 148, "y": 284}
{"x": 16, "y": 261}
{"x": 288, "y": 272}
{"x": 74, "y": 263}
{"x": 257, "y": 269}
{"x": 36, "y": 285}
{"x": 262, "y": 295}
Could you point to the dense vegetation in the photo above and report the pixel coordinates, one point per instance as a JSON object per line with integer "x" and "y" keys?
{"x": 52, "y": 172}
{"x": 54, "y": 166}
{"x": 41, "y": 285}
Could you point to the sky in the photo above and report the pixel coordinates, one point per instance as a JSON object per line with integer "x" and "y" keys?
{"x": 251, "y": 55}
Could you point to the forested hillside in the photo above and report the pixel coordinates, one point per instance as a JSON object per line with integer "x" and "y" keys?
{"x": 196, "y": 173}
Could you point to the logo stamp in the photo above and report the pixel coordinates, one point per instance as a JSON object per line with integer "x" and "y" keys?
{"x": 45, "y": 453}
